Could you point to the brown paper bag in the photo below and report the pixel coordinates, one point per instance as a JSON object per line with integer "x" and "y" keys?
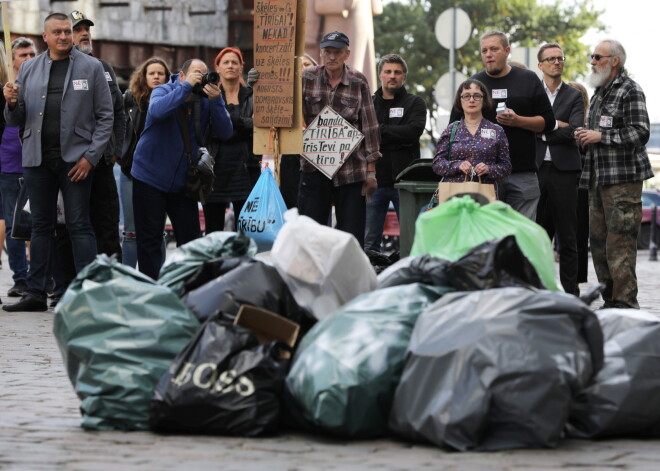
{"x": 448, "y": 190}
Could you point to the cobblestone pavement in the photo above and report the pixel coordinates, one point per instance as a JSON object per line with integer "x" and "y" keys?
{"x": 39, "y": 425}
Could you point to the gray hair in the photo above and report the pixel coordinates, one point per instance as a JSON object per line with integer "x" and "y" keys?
{"x": 20, "y": 43}
{"x": 616, "y": 49}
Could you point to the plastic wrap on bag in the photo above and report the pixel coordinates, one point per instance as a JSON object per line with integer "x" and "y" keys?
{"x": 118, "y": 332}
{"x": 188, "y": 258}
{"x": 223, "y": 383}
{"x": 624, "y": 399}
{"x": 460, "y": 224}
{"x": 347, "y": 367}
{"x": 254, "y": 283}
{"x": 323, "y": 267}
{"x": 496, "y": 369}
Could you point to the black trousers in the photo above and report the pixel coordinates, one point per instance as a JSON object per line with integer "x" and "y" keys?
{"x": 558, "y": 209}
{"x": 317, "y": 195}
{"x": 104, "y": 210}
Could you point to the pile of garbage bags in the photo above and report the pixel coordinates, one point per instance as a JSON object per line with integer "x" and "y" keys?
{"x": 468, "y": 344}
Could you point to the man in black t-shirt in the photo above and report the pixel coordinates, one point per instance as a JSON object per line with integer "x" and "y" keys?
{"x": 401, "y": 118}
{"x": 527, "y": 111}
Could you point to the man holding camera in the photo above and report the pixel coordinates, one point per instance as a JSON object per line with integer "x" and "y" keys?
{"x": 160, "y": 162}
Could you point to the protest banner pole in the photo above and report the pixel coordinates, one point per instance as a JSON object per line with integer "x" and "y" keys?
{"x": 5, "y": 26}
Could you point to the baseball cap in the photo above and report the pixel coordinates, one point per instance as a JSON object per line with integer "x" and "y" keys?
{"x": 335, "y": 39}
{"x": 78, "y": 17}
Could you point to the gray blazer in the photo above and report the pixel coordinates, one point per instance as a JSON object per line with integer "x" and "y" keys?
{"x": 86, "y": 111}
{"x": 564, "y": 152}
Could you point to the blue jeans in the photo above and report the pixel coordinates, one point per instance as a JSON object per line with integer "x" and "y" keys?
{"x": 376, "y": 213}
{"x": 150, "y": 207}
{"x": 129, "y": 244}
{"x": 15, "y": 248}
{"x": 43, "y": 183}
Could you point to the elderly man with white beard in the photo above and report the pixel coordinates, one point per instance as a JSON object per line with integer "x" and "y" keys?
{"x": 616, "y": 165}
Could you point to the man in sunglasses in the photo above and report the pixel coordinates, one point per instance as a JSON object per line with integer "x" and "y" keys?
{"x": 558, "y": 159}
{"x": 525, "y": 111}
{"x": 616, "y": 165}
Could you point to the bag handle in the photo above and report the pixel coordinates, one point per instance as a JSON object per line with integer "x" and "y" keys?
{"x": 472, "y": 175}
{"x": 185, "y": 132}
{"x": 452, "y": 138}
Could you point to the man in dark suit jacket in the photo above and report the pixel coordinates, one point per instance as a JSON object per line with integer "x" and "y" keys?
{"x": 558, "y": 158}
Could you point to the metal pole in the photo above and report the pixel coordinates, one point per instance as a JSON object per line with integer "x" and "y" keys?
{"x": 653, "y": 247}
{"x": 452, "y": 53}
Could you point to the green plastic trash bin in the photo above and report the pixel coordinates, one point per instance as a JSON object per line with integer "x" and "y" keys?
{"x": 416, "y": 185}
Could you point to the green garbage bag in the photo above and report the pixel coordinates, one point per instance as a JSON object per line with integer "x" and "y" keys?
{"x": 186, "y": 259}
{"x": 118, "y": 332}
{"x": 347, "y": 368}
{"x": 460, "y": 224}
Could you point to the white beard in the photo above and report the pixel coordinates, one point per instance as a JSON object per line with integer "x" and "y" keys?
{"x": 85, "y": 49}
{"x": 598, "y": 78}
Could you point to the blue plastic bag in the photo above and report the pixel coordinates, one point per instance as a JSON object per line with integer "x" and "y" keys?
{"x": 262, "y": 215}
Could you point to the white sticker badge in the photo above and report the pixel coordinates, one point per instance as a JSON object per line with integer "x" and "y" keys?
{"x": 80, "y": 85}
{"x": 500, "y": 94}
{"x": 606, "y": 121}
{"x": 488, "y": 134}
{"x": 108, "y": 77}
{"x": 396, "y": 112}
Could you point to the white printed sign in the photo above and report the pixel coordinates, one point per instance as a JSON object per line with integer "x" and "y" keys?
{"x": 329, "y": 141}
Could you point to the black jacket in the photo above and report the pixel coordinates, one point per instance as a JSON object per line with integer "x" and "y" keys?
{"x": 402, "y": 121}
{"x": 115, "y": 144}
{"x": 135, "y": 119}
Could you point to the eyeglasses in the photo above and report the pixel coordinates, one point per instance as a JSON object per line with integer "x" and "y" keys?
{"x": 598, "y": 57}
{"x": 553, "y": 59}
{"x": 476, "y": 96}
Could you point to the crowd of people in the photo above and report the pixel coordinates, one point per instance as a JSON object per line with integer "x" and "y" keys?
{"x": 67, "y": 125}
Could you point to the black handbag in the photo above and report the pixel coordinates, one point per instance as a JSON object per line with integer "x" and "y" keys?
{"x": 200, "y": 176}
{"x": 22, "y": 222}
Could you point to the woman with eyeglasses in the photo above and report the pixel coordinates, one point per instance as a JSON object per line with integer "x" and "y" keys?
{"x": 480, "y": 147}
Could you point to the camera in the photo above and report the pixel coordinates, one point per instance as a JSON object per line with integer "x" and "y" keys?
{"x": 209, "y": 77}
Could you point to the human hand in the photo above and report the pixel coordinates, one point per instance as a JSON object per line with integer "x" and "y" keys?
{"x": 561, "y": 124}
{"x": 212, "y": 91}
{"x": 465, "y": 167}
{"x": 80, "y": 170}
{"x": 507, "y": 118}
{"x": 587, "y": 136}
{"x": 369, "y": 187}
{"x": 194, "y": 77}
{"x": 481, "y": 169}
{"x": 10, "y": 91}
{"x": 253, "y": 77}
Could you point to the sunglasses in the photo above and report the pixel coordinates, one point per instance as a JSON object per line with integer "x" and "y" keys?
{"x": 552, "y": 59}
{"x": 598, "y": 57}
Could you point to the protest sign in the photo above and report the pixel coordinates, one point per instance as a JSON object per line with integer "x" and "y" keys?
{"x": 329, "y": 141}
{"x": 274, "y": 54}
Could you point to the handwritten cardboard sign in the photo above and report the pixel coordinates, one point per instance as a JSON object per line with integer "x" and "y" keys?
{"x": 329, "y": 141}
{"x": 274, "y": 54}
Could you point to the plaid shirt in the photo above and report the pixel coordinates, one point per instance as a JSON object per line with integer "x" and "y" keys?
{"x": 352, "y": 100}
{"x": 618, "y": 111}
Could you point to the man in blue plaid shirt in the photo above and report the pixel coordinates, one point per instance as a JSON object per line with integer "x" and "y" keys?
{"x": 615, "y": 167}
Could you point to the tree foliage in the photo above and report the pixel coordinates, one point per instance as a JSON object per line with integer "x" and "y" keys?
{"x": 408, "y": 29}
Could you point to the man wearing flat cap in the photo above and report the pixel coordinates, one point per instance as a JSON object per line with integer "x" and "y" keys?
{"x": 347, "y": 92}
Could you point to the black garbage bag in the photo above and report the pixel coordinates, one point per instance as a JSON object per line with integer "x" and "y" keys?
{"x": 624, "y": 399}
{"x": 496, "y": 263}
{"x": 424, "y": 269}
{"x": 346, "y": 369}
{"x": 224, "y": 382}
{"x": 496, "y": 369}
{"x": 252, "y": 282}
{"x": 212, "y": 269}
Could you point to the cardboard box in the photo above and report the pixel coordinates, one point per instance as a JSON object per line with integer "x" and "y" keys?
{"x": 268, "y": 326}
